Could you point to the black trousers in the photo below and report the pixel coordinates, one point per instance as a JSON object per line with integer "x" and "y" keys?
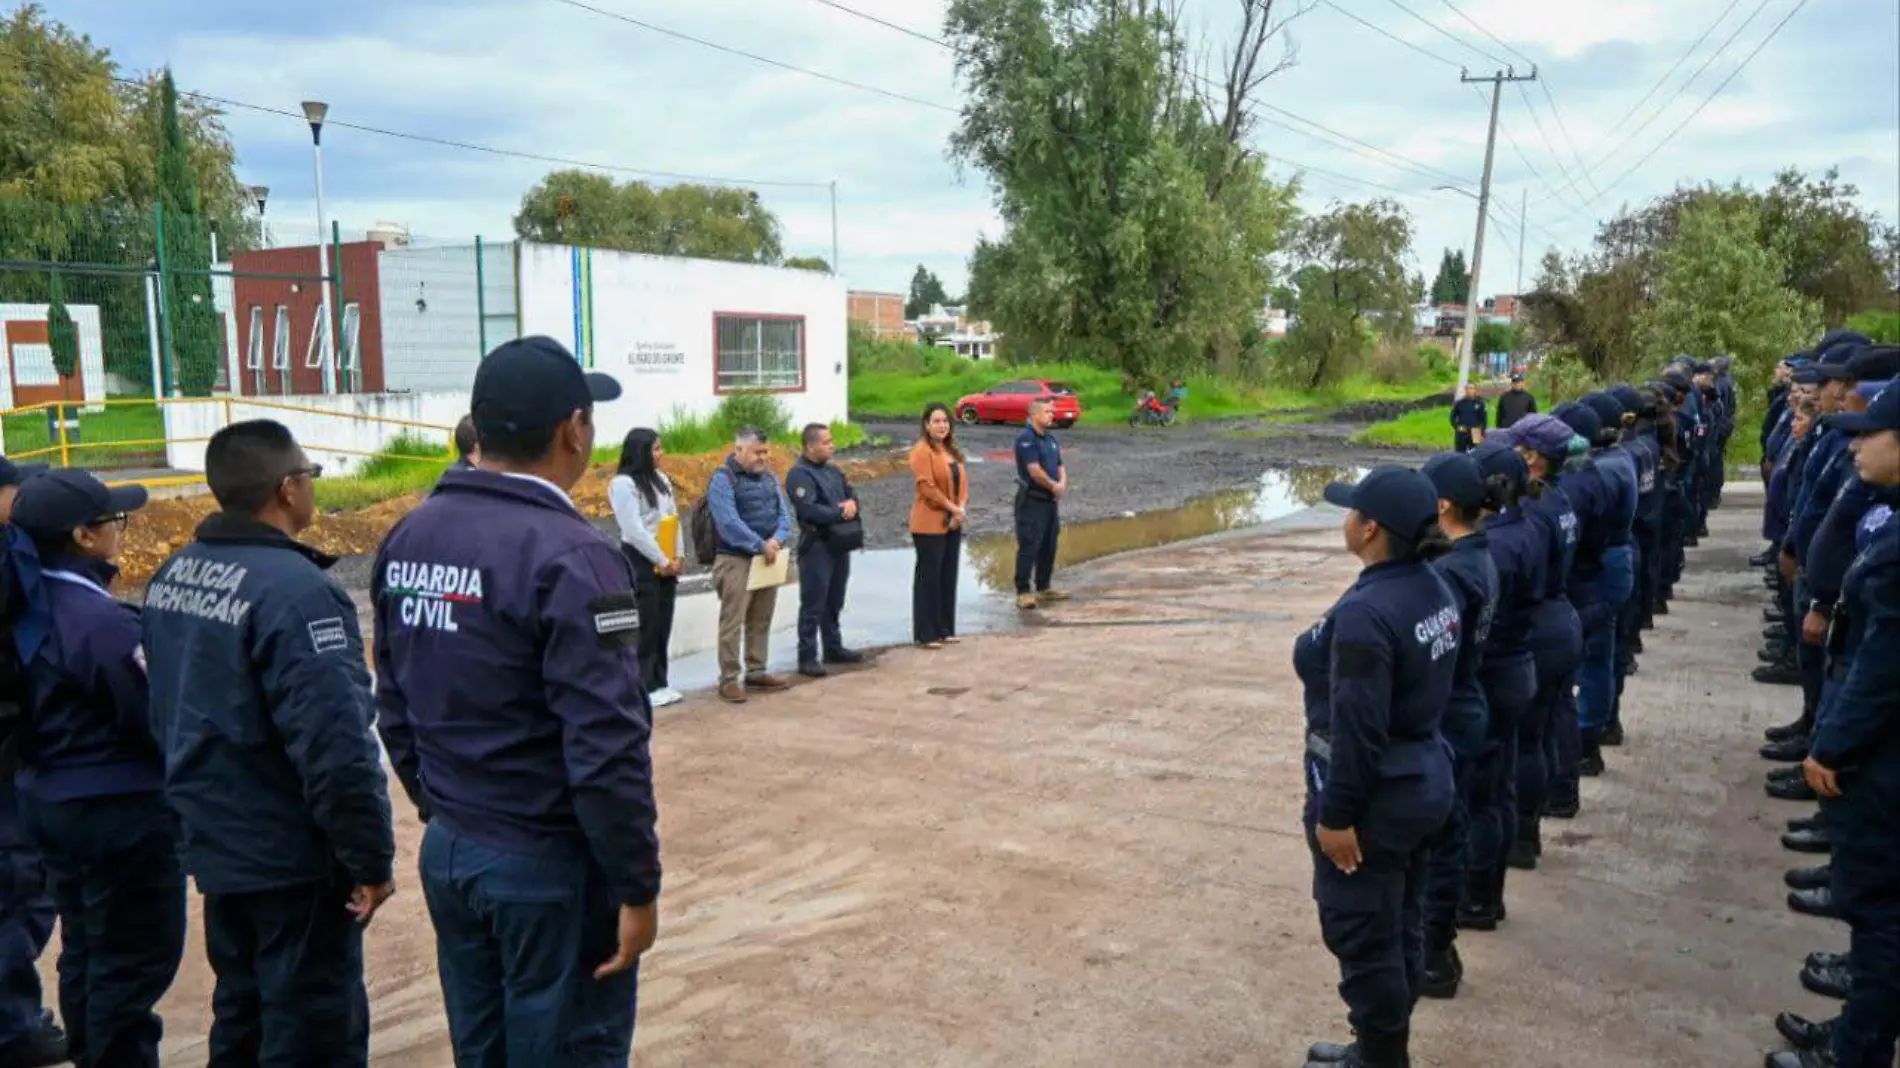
{"x": 933, "y": 586}
{"x": 1038, "y": 528}
{"x": 112, "y": 865}
{"x": 290, "y": 979}
{"x": 823, "y": 575}
{"x": 657, "y": 595}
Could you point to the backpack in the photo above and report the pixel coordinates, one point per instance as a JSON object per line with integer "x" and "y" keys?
{"x": 705, "y": 535}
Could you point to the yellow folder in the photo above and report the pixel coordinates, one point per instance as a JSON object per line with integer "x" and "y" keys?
{"x": 669, "y": 536}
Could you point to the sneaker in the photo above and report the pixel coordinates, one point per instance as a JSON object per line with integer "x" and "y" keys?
{"x": 665, "y": 696}
{"x": 732, "y": 693}
{"x": 1026, "y": 601}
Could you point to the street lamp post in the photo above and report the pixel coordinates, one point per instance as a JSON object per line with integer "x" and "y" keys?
{"x": 315, "y": 112}
{"x": 259, "y": 195}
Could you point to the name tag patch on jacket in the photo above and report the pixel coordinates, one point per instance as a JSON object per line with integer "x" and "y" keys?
{"x": 616, "y": 619}
{"x": 329, "y": 635}
{"x": 431, "y": 593}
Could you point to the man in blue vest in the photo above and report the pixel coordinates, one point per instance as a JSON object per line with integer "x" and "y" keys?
{"x": 750, "y": 519}
{"x": 509, "y": 698}
{"x": 261, "y": 702}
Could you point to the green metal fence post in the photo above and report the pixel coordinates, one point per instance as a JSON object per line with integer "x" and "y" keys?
{"x": 167, "y": 360}
{"x": 346, "y": 376}
{"x": 481, "y": 301}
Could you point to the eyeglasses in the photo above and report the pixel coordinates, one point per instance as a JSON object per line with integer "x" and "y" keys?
{"x": 116, "y": 519}
{"x": 315, "y": 471}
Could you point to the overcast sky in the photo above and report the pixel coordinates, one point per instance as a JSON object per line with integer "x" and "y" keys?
{"x": 544, "y": 77}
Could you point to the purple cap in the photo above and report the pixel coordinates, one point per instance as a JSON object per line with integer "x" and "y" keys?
{"x": 1540, "y": 433}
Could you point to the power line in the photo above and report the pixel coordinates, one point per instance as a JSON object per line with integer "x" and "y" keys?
{"x": 1476, "y": 25}
{"x": 470, "y": 146}
{"x": 755, "y": 57}
{"x": 1706, "y": 101}
{"x": 1562, "y": 168}
{"x": 1383, "y": 32}
{"x": 1632, "y": 134}
{"x": 1401, "y": 160}
{"x": 1676, "y": 66}
{"x": 1447, "y": 34}
{"x": 1562, "y": 128}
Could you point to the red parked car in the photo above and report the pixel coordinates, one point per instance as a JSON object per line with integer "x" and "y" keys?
{"x": 1008, "y": 402}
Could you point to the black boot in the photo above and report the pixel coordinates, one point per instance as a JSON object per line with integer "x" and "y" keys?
{"x": 1563, "y": 808}
{"x": 1477, "y": 910}
{"x": 1808, "y": 823}
{"x": 1798, "y": 729}
{"x": 1814, "y": 841}
{"x": 1795, "y": 789}
{"x": 1523, "y": 856}
{"x": 1809, "y": 878}
{"x": 1612, "y": 735}
{"x": 1814, "y": 903}
{"x": 1828, "y": 982}
{"x": 1787, "y": 751}
{"x": 1801, "y": 1058}
{"x": 1591, "y": 764}
{"x": 1783, "y": 672}
{"x": 1803, "y": 1033}
{"x": 1443, "y": 972}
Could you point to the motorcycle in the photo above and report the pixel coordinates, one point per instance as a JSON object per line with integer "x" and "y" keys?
{"x": 1149, "y": 411}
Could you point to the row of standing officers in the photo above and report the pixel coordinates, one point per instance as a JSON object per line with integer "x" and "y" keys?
{"x": 230, "y": 732}
{"x": 1473, "y": 673}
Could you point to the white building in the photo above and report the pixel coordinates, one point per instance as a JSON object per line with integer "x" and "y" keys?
{"x": 30, "y": 375}
{"x": 679, "y": 334}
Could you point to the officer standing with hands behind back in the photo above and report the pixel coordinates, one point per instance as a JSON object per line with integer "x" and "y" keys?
{"x": 1378, "y": 672}
{"x": 261, "y": 702}
{"x": 1041, "y": 481}
{"x": 510, "y": 702}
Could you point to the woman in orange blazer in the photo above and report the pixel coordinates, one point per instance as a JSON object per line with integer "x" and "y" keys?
{"x": 936, "y": 528}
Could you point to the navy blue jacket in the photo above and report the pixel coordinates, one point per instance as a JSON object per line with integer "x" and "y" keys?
{"x": 1520, "y": 554}
{"x": 1043, "y": 449}
{"x": 1378, "y": 674}
{"x": 89, "y": 723}
{"x": 818, "y": 493}
{"x": 1646, "y": 451}
{"x": 1470, "y": 413}
{"x": 1595, "y": 502}
{"x": 507, "y": 682}
{"x": 1554, "y": 513}
{"x": 1622, "y": 475}
{"x": 1832, "y": 550}
{"x": 1778, "y": 512}
{"x": 261, "y": 702}
{"x": 1777, "y": 407}
{"x": 1864, "y": 716}
{"x": 1828, "y": 465}
{"x": 747, "y": 510}
{"x": 1472, "y": 577}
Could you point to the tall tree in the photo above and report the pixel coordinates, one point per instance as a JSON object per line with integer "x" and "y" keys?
{"x": 197, "y": 332}
{"x": 62, "y": 334}
{"x": 1719, "y": 289}
{"x": 1353, "y": 277}
{"x": 1452, "y": 285}
{"x": 809, "y": 263}
{"x": 1138, "y": 225}
{"x": 926, "y": 292}
{"x": 573, "y": 207}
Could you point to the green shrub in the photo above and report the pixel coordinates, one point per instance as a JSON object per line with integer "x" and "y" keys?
{"x": 1881, "y": 326}
{"x": 762, "y": 410}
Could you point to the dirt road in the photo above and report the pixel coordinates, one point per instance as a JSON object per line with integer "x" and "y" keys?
{"x": 1080, "y": 845}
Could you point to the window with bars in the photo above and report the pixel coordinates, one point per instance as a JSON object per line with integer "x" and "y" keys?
{"x": 352, "y": 336}
{"x": 319, "y": 337}
{"x": 280, "y": 341}
{"x": 254, "y": 348}
{"x": 760, "y": 352}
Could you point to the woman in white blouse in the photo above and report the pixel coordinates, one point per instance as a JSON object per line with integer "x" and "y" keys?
{"x": 641, "y": 496}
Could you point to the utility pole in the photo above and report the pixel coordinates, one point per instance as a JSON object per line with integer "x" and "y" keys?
{"x": 1523, "y": 227}
{"x": 1472, "y": 304}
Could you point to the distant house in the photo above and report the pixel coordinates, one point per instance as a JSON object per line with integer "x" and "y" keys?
{"x": 946, "y": 328}
{"x": 1501, "y": 308}
{"x": 879, "y": 314}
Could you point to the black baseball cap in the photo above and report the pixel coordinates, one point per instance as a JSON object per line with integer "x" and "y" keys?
{"x": 12, "y": 474}
{"x": 532, "y": 383}
{"x": 1457, "y": 478}
{"x": 58, "y": 501}
{"x": 1517, "y": 376}
{"x": 1581, "y": 418}
{"x": 1883, "y": 413}
{"x": 1609, "y": 408}
{"x": 1397, "y": 498}
{"x": 1499, "y": 458}
{"x": 1874, "y": 363}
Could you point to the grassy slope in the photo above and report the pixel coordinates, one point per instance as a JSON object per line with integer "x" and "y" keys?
{"x": 1426, "y": 430}
{"x": 892, "y": 394}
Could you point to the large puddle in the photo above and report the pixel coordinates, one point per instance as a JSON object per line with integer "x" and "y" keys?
{"x": 878, "y": 611}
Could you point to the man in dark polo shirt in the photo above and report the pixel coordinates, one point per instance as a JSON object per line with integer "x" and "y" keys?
{"x": 1515, "y": 403}
{"x": 1041, "y": 481}
{"x": 1469, "y": 419}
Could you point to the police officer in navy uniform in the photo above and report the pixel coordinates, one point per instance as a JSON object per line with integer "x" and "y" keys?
{"x": 28, "y": 1036}
{"x": 92, "y": 779}
{"x": 1854, "y": 762}
{"x": 1041, "y": 483}
{"x": 1378, "y": 672}
{"x": 829, "y": 532}
{"x": 1469, "y": 419}
{"x": 1463, "y": 559}
{"x": 261, "y": 701}
{"x": 510, "y": 702}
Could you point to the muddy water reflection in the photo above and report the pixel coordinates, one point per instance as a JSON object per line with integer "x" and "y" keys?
{"x": 1281, "y": 492}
